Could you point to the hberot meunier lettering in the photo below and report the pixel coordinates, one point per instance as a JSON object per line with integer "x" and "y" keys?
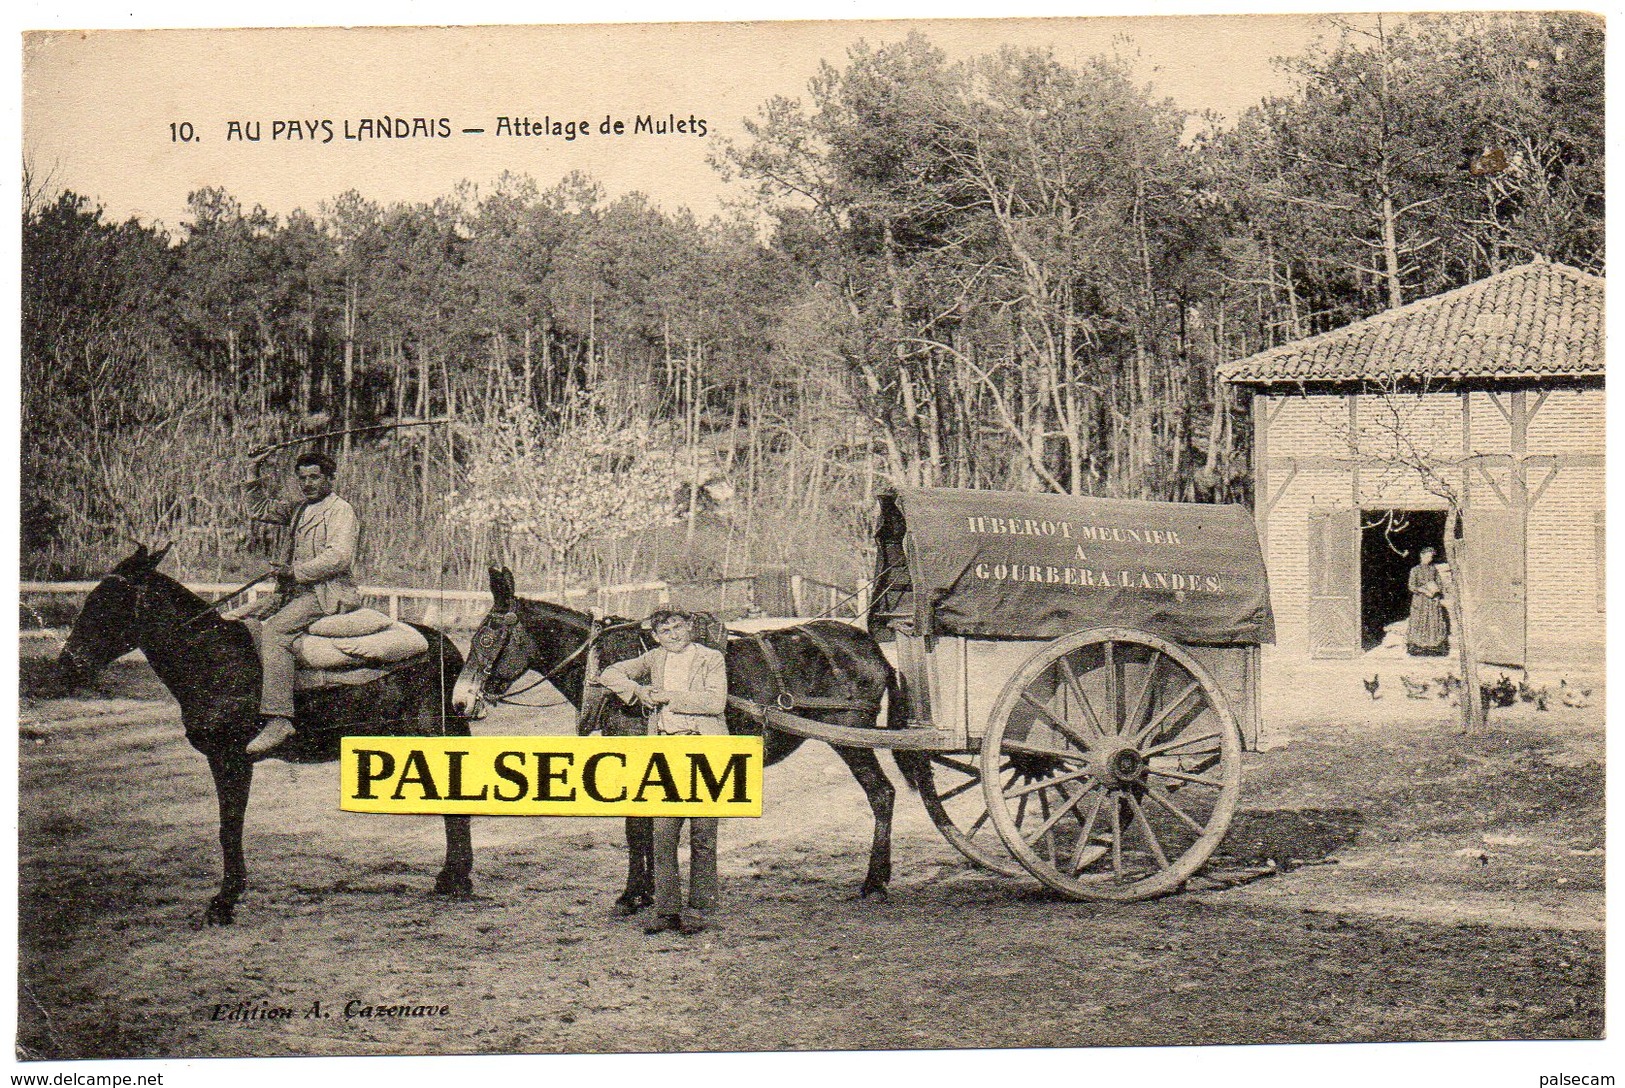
{"x": 1075, "y": 568}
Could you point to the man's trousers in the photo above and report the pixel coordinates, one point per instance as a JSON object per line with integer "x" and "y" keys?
{"x": 702, "y": 864}
{"x": 276, "y": 652}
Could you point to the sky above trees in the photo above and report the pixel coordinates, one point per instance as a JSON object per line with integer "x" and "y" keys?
{"x": 98, "y": 109}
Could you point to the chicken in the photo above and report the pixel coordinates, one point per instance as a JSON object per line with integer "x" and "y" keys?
{"x": 1501, "y": 693}
{"x": 1571, "y": 695}
{"x": 1372, "y": 687}
{"x": 1414, "y": 689}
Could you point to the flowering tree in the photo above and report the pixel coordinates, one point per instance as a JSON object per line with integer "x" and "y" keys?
{"x": 1408, "y": 443}
{"x": 589, "y": 475}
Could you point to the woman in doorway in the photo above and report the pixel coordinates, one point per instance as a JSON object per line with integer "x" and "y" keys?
{"x": 1427, "y": 633}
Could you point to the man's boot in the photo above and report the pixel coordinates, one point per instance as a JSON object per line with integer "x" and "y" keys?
{"x": 273, "y": 735}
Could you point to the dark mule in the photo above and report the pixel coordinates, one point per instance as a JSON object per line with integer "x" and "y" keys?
{"x": 209, "y": 664}
{"x": 822, "y": 660}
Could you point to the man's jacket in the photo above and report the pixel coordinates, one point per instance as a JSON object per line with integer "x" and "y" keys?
{"x": 322, "y": 549}
{"x": 697, "y": 710}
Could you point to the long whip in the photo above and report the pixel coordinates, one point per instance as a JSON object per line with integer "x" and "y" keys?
{"x": 265, "y": 451}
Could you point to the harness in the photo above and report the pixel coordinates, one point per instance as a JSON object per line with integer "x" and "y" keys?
{"x": 506, "y": 621}
{"x": 595, "y": 697}
{"x": 783, "y": 697}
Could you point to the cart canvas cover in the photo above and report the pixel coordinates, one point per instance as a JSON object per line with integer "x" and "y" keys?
{"x": 993, "y": 564}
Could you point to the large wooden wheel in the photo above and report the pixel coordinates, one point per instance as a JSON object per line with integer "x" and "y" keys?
{"x": 1126, "y": 760}
{"x": 957, "y": 804}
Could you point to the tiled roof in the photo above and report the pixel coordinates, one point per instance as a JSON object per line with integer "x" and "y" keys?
{"x": 1537, "y": 320}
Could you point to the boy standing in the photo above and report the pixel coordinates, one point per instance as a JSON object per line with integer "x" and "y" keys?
{"x": 686, "y": 684}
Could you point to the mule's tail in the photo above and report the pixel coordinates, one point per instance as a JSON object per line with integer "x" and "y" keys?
{"x": 915, "y": 767}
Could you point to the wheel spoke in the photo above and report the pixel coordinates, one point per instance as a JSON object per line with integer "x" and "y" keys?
{"x": 1024, "y": 749}
{"x": 977, "y": 826}
{"x": 1213, "y": 758}
{"x": 1112, "y": 694}
{"x": 1072, "y": 682}
{"x": 1142, "y": 702}
{"x": 959, "y": 789}
{"x": 1046, "y": 834}
{"x": 1064, "y": 728}
{"x": 1034, "y": 786}
{"x": 1151, "y": 727}
{"x": 1178, "y": 813}
{"x": 1055, "y": 818}
{"x": 1169, "y": 745}
{"x": 1117, "y": 834}
{"x": 1183, "y": 777}
{"x": 1088, "y": 828}
{"x": 962, "y": 768}
{"x": 1145, "y": 830}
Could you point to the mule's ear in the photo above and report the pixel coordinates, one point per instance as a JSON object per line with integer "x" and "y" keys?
{"x": 502, "y": 587}
{"x": 140, "y": 555}
{"x": 158, "y": 556}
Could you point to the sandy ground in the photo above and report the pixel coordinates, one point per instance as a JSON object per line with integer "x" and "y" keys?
{"x": 1454, "y": 891}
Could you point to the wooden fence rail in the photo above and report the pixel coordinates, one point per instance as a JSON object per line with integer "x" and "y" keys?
{"x": 50, "y": 605}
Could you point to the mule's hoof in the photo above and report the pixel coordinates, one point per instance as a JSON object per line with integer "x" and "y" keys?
{"x": 876, "y": 892}
{"x": 630, "y": 904}
{"x": 454, "y": 885}
{"x": 220, "y": 913}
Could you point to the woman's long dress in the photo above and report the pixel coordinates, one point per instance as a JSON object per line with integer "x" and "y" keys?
{"x": 1427, "y": 633}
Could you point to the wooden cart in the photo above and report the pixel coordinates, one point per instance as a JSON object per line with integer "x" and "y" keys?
{"x": 1081, "y": 673}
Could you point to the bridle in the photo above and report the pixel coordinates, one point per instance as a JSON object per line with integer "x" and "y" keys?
{"x": 491, "y": 642}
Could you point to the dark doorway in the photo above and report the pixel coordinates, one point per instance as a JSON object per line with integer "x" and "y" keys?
{"x": 1390, "y": 542}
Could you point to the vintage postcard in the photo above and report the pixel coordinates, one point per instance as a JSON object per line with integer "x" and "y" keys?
{"x": 952, "y": 535}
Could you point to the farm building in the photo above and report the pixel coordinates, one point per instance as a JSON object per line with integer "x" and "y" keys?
{"x": 1491, "y": 394}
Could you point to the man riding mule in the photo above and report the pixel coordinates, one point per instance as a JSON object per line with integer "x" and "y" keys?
{"x": 210, "y": 665}
{"x": 314, "y": 580}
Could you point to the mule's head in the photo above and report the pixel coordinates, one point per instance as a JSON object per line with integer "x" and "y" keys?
{"x": 501, "y": 652}
{"x": 110, "y": 623}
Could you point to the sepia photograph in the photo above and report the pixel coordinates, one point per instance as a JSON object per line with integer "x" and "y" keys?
{"x": 1027, "y": 534}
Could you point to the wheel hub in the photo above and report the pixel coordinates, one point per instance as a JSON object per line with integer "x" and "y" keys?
{"x": 1123, "y": 767}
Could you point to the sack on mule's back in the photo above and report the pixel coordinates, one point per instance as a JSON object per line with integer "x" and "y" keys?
{"x": 315, "y": 652}
{"x": 397, "y": 642}
{"x": 353, "y": 624}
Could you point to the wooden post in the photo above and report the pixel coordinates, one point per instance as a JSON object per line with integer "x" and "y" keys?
{"x": 1458, "y": 601}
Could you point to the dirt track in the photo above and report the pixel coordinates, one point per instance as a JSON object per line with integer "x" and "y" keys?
{"x": 1466, "y": 903}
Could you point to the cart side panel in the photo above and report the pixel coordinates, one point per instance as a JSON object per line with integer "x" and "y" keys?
{"x": 989, "y": 664}
{"x": 1235, "y": 670}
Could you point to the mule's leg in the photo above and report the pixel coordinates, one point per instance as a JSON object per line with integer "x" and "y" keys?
{"x": 456, "y": 876}
{"x": 640, "y": 836}
{"x": 881, "y": 793}
{"x": 233, "y": 775}
{"x": 640, "y": 851}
